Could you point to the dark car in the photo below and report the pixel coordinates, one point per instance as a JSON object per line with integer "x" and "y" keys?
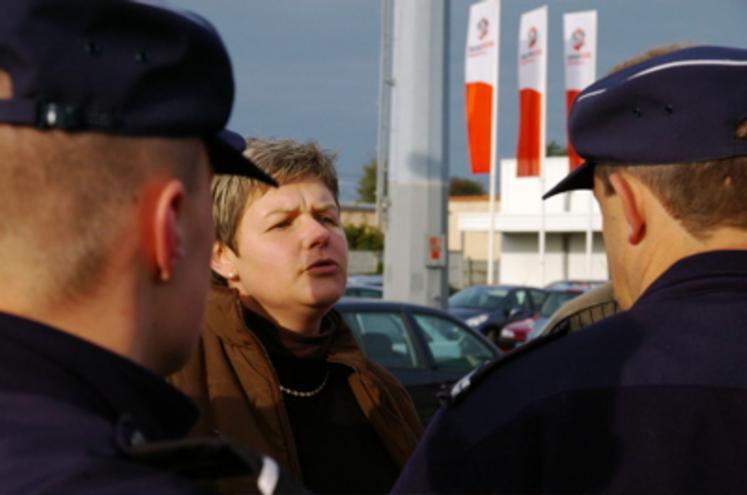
{"x": 362, "y": 290}
{"x": 425, "y": 348}
{"x": 582, "y": 285}
{"x": 488, "y": 308}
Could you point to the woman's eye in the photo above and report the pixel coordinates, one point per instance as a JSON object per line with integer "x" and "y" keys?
{"x": 328, "y": 220}
{"x": 282, "y": 225}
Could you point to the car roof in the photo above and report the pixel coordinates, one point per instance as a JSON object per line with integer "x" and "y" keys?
{"x": 358, "y": 303}
{"x": 363, "y": 286}
{"x": 502, "y": 286}
{"x": 567, "y": 290}
{"x": 365, "y": 302}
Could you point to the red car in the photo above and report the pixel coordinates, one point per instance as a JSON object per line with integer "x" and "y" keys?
{"x": 520, "y": 331}
{"x": 515, "y": 333}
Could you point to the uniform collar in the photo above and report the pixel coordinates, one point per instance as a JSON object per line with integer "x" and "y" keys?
{"x": 45, "y": 361}
{"x": 727, "y": 268}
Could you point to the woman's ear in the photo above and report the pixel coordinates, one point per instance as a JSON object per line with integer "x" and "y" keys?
{"x": 632, "y": 207}
{"x": 223, "y": 261}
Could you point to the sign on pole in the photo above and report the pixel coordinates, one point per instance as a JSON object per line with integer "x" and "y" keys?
{"x": 481, "y": 83}
{"x": 580, "y": 39}
{"x": 532, "y": 90}
{"x": 481, "y": 102}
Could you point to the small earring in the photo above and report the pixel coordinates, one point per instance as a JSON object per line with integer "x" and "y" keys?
{"x": 164, "y": 275}
{"x": 232, "y": 276}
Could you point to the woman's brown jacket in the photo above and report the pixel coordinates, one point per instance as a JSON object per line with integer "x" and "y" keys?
{"x": 233, "y": 382}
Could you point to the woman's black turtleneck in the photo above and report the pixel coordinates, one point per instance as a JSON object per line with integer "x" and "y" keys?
{"x": 338, "y": 449}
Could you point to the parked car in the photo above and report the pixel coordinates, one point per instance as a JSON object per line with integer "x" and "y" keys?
{"x": 369, "y": 280}
{"x": 488, "y": 308}
{"x": 555, "y": 299}
{"x": 582, "y": 285}
{"x": 516, "y": 333}
{"x": 367, "y": 291}
{"x": 426, "y": 349}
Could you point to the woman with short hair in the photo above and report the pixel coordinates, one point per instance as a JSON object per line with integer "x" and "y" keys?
{"x": 277, "y": 367}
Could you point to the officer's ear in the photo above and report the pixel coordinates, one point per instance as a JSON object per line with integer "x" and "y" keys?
{"x": 630, "y": 199}
{"x": 6, "y": 86}
{"x": 168, "y": 238}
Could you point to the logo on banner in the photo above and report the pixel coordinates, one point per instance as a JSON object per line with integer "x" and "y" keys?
{"x": 533, "y": 48}
{"x": 532, "y": 35}
{"x": 578, "y": 38}
{"x": 483, "y": 27}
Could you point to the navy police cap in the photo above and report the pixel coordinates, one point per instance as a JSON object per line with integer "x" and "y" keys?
{"x": 682, "y": 107}
{"x": 126, "y": 67}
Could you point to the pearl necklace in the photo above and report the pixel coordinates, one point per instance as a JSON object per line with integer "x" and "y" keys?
{"x": 310, "y": 393}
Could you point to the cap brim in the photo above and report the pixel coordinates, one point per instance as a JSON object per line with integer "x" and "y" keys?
{"x": 581, "y": 178}
{"x": 225, "y": 152}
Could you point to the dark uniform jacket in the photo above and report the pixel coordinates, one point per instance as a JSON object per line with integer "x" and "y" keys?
{"x": 651, "y": 400}
{"x": 77, "y": 419}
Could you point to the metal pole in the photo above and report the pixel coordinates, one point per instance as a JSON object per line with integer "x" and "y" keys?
{"x": 385, "y": 88}
{"x": 415, "y": 253}
{"x": 494, "y": 166}
{"x": 491, "y": 209}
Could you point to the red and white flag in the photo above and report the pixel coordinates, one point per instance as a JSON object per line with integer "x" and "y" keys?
{"x": 481, "y": 83}
{"x": 532, "y": 90}
{"x": 580, "y": 39}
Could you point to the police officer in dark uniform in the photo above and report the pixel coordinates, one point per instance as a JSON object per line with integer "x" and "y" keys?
{"x": 654, "y": 398}
{"x": 111, "y": 115}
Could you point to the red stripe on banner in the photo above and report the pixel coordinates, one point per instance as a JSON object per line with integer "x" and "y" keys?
{"x": 530, "y": 126}
{"x": 478, "y": 109}
{"x": 573, "y": 159}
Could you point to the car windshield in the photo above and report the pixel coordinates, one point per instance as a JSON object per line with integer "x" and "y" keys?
{"x": 451, "y": 346}
{"x": 554, "y": 301}
{"x": 479, "y": 297}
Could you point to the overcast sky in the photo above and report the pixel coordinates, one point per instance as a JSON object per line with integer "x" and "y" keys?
{"x": 308, "y": 69}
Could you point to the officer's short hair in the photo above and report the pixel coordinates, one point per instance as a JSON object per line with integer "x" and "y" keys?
{"x": 687, "y": 190}
{"x": 65, "y": 197}
{"x": 96, "y": 96}
{"x": 675, "y": 120}
{"x": 701, "y": 195}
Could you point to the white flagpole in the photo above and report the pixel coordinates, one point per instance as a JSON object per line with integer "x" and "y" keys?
{"x": 543, "y": 151}
{"x": 494, "y": 160}
{"x": 580, "y": 47}
{"x": 483, "y": 41}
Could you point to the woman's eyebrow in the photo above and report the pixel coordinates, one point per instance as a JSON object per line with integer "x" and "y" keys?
{"x": 279, "y": 211}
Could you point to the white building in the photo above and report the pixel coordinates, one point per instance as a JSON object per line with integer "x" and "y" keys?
{"x": 566, "y": 219}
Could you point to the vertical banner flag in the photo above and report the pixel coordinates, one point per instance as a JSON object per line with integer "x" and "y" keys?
{"x": 481, "y": 83}
{"x": 532, "y": 90}
{"x": 580, "y": 39}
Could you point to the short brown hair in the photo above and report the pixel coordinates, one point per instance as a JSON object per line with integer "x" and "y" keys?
{"x": 286, "y": 161}
{"x": 65, "y": 197}
{"x": 657, "y": 51}
{"x": 700, "y": 195}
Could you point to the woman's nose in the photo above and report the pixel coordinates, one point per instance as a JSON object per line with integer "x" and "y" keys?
{"x": 315, "y": 233}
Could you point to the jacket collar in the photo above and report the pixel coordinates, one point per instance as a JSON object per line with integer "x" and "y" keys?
{"x": 225, "y": 319}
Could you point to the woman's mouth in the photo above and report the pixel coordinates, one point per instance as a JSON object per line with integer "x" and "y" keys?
{"x": 322, "y": 267}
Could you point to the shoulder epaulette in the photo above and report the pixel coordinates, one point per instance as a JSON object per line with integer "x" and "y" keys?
{"x": 459, "y": 389}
